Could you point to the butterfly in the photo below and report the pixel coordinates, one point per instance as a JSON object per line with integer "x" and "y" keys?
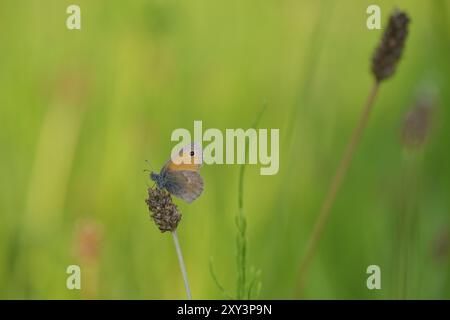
{"x": 180, "y": 174}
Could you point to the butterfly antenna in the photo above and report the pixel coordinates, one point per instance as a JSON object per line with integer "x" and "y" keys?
{"x": 148, "y": 186}
{"x": 151, "y": 168}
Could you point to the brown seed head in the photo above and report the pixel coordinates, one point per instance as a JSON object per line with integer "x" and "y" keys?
{"x": 163, "y": 211}
{"x": 390, "y": 49}
{"x": 418, "y": 122}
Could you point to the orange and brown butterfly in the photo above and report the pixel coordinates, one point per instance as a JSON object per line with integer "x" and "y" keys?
{"x": 180, "y": 174}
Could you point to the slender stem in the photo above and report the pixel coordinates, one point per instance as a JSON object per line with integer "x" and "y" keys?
{"x": 407, "y": 221}
{"x": 182, "y": 266}
{"x": 241, "y": 240}
{"x": 325, "y": 210}
{"x": 241, "y": 224}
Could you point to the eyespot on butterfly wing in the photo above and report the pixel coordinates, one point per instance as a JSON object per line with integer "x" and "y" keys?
{"x": 189, "y": 158}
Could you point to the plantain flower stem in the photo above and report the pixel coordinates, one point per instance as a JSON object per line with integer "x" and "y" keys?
{"x": 182, "y": 266}
{"x": 384, "y": 63}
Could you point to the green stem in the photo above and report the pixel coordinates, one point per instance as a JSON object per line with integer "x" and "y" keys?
{"x": 241, "y": 241}
{"x": 241, "y": 223}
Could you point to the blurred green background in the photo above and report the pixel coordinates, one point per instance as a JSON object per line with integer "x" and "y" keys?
{"x": 80, "y": 111}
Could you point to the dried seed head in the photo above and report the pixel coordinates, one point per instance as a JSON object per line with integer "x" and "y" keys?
{"x": 390, "y": 49}
{"x": 163, "y": 211}
{"x": 417, "y": 123}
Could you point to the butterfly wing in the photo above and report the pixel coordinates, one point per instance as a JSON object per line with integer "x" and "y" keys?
{"x": 180, "y": 173}
{"x": 187, "y": 185}
{"x": 189, "y": 158}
